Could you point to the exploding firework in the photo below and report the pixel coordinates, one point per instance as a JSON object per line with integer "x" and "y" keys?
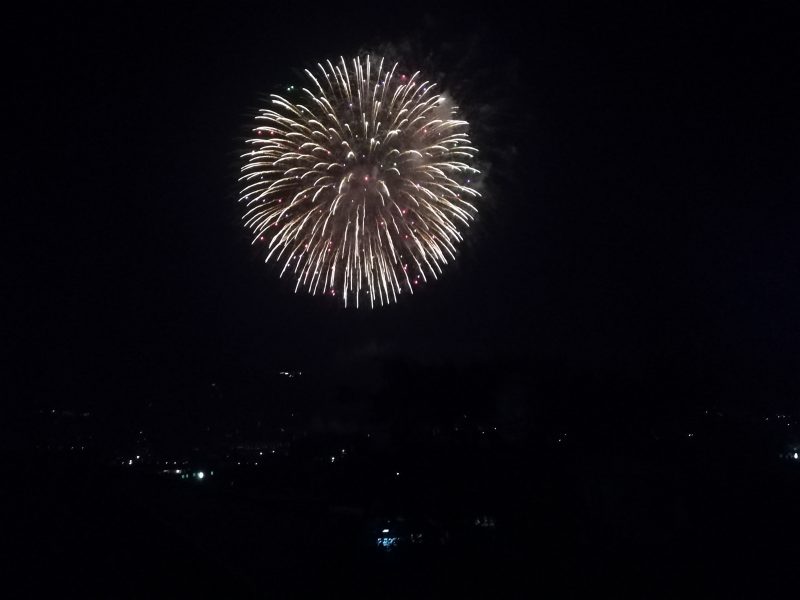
{"x": 361, "y": 185}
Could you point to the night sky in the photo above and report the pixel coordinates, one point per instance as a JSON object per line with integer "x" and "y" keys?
{"x": 641, "y": 212}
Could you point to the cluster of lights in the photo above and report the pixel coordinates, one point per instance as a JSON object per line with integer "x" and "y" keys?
{"x": 130, "y": 461}
{"x": 198, "y": 475}
{"x": 786, "y": 418}
{"x": 290, "y": 374}
{"x": 485, "y": 521}
{"x": 387, "y": 542}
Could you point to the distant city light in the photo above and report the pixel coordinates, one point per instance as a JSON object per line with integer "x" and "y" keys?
{"x": 200, "y": 475}
{"x": 387, "y": 542}
{"x": 384, "y": 531}
{"x": 795, "y": 455}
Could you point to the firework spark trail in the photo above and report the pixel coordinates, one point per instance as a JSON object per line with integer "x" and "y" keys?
{"x": 361, "y": 185}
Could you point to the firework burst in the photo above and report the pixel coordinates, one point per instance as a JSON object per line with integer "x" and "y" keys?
{"x": 361, "y": 185}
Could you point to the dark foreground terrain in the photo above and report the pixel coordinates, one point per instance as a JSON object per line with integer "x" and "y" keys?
{"x": 712, "y": 514}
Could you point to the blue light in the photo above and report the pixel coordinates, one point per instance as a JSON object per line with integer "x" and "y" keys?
{"x": 387, "y": 542}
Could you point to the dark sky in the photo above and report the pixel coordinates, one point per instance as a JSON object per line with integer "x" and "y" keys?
{"x": 641, "y": 205}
